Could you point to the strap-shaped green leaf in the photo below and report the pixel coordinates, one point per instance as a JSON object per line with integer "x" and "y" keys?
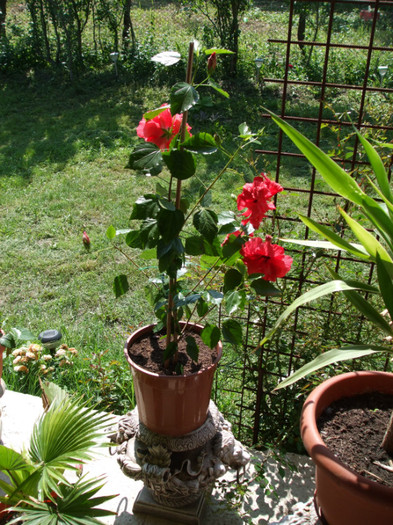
{"x": 312, "y": 295}
{"x": 338, "y": 179}
{"x": 328, "y": 358}
{"x": 335, "y": 239}
{"x": 368, "y": 240}
{"x": 385, "y": 285}
{"x": 378, "y": 168}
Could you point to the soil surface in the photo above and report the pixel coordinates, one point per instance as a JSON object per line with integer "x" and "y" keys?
{"x": 148, "y": 352}
{"x": 353, "y": 428}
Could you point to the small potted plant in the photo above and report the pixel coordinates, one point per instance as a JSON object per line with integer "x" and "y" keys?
{"x": 34, "y": 483}
{"x": 344, "y": 495}
{"x": 205, "y": 259}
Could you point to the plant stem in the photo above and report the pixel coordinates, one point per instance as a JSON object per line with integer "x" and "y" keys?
{"x": 220, "y": 174}
{"x": 172, "y": 280}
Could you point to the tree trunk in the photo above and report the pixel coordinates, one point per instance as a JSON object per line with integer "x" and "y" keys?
{"x": 3, "y": 13}
{"x": 128, "y": 29}
{"x": 301, "y": 28}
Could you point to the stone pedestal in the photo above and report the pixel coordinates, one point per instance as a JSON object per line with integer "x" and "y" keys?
{"x": 178, "y": 471}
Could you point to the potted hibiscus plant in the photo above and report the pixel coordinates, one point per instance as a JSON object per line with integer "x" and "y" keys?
{"x": 363, "y": 500}
{"x": 205, "y": 259}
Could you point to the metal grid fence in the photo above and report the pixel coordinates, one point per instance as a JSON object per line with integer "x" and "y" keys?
{"x": 260, "y": 416}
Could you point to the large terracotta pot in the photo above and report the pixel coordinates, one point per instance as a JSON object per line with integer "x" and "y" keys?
{"x": 344, "y": 497}
{"x": 171, "y": 405}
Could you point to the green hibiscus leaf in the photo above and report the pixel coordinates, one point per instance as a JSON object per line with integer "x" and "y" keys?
{"x": 111, "y": 232}
{"x": 232, "y": 246}
{"x": 234, "y": 300}
{"x": 133, "y": 239}
{"x": 146, "y": 157}
{"x": 205, "y": 222}
{"x": 201, "y": 143}
{"x": 170, "y": 223}
{"x": 215, "y": 297}
{"x": 210, "y": 335}
{"x": 149, "y": 233}
{"x": 232, "y": 332}
{"x": 195, "y": 245}
{"x": 183, "y": 97}
{"x": 180, "y": 163}
{"x": 175, "y": 246}
{"x": 145, "y": 207}
{"x": 189, "y": 299}
{"x": 226, "y": 217}
{"x": 213, "y": 248}
{"x": 202, "y": 307}
{"x": 167, "y": 58}
{"x": 120, "y": 285}
{"x": 192, "y": 348}
{"x": 232, "y": 279}
{"x": 263, "y": 287}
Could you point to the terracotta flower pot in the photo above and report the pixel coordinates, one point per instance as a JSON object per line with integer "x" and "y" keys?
{"x": 171, "y": 405}
{"x": 344, "y": 497}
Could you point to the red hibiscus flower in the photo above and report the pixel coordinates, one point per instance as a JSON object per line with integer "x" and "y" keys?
{"x": 266, "y": 258}
{"x": 255, "y": 197}
{"x": 161, "y": 129}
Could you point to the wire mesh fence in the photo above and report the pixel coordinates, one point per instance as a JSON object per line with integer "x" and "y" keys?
{"x": 319, "y": 58}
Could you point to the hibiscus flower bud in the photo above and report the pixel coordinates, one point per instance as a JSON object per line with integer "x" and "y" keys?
{"x": 211, "y": 63}
{"x": 86, "y": 240}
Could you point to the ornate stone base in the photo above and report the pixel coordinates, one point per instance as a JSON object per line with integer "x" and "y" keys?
{"x": 179, "y": 470}
{"x": 188, "y": 515}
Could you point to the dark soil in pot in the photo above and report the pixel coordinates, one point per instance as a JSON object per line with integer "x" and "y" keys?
{"x": 353, "y": 428}
{"x": 148, "y": 352}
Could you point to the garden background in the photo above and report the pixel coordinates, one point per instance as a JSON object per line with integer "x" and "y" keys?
{"x": 68, "y": 119}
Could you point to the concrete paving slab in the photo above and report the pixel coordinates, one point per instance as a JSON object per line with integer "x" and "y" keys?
{"x": 290, "y": 481}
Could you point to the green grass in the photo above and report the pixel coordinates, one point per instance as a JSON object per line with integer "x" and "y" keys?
{"x": 63, "y": 151}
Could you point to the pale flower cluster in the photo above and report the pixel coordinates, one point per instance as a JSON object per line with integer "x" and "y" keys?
{"x": 36, "y": 357}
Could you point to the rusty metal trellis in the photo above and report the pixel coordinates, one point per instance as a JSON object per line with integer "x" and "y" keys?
{"x": 250, "y": 400}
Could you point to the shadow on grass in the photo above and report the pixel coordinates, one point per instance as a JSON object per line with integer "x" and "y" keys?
{"x": 45, "y": 121}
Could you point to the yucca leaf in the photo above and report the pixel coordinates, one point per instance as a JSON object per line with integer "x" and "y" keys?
{"x": 378, "y": 168}
{"x": 335, "y": 239}
{"x": 316, "y": 293}
{"x": 328, "y": 358}
{"x": 338, "y": 179}
{"x": 385, "y": 285}
{"x": 367, "y": 239}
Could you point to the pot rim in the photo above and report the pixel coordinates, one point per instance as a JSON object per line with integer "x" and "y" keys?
{"x": 145, "y": 329}
{"x": 319, "y": 399}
